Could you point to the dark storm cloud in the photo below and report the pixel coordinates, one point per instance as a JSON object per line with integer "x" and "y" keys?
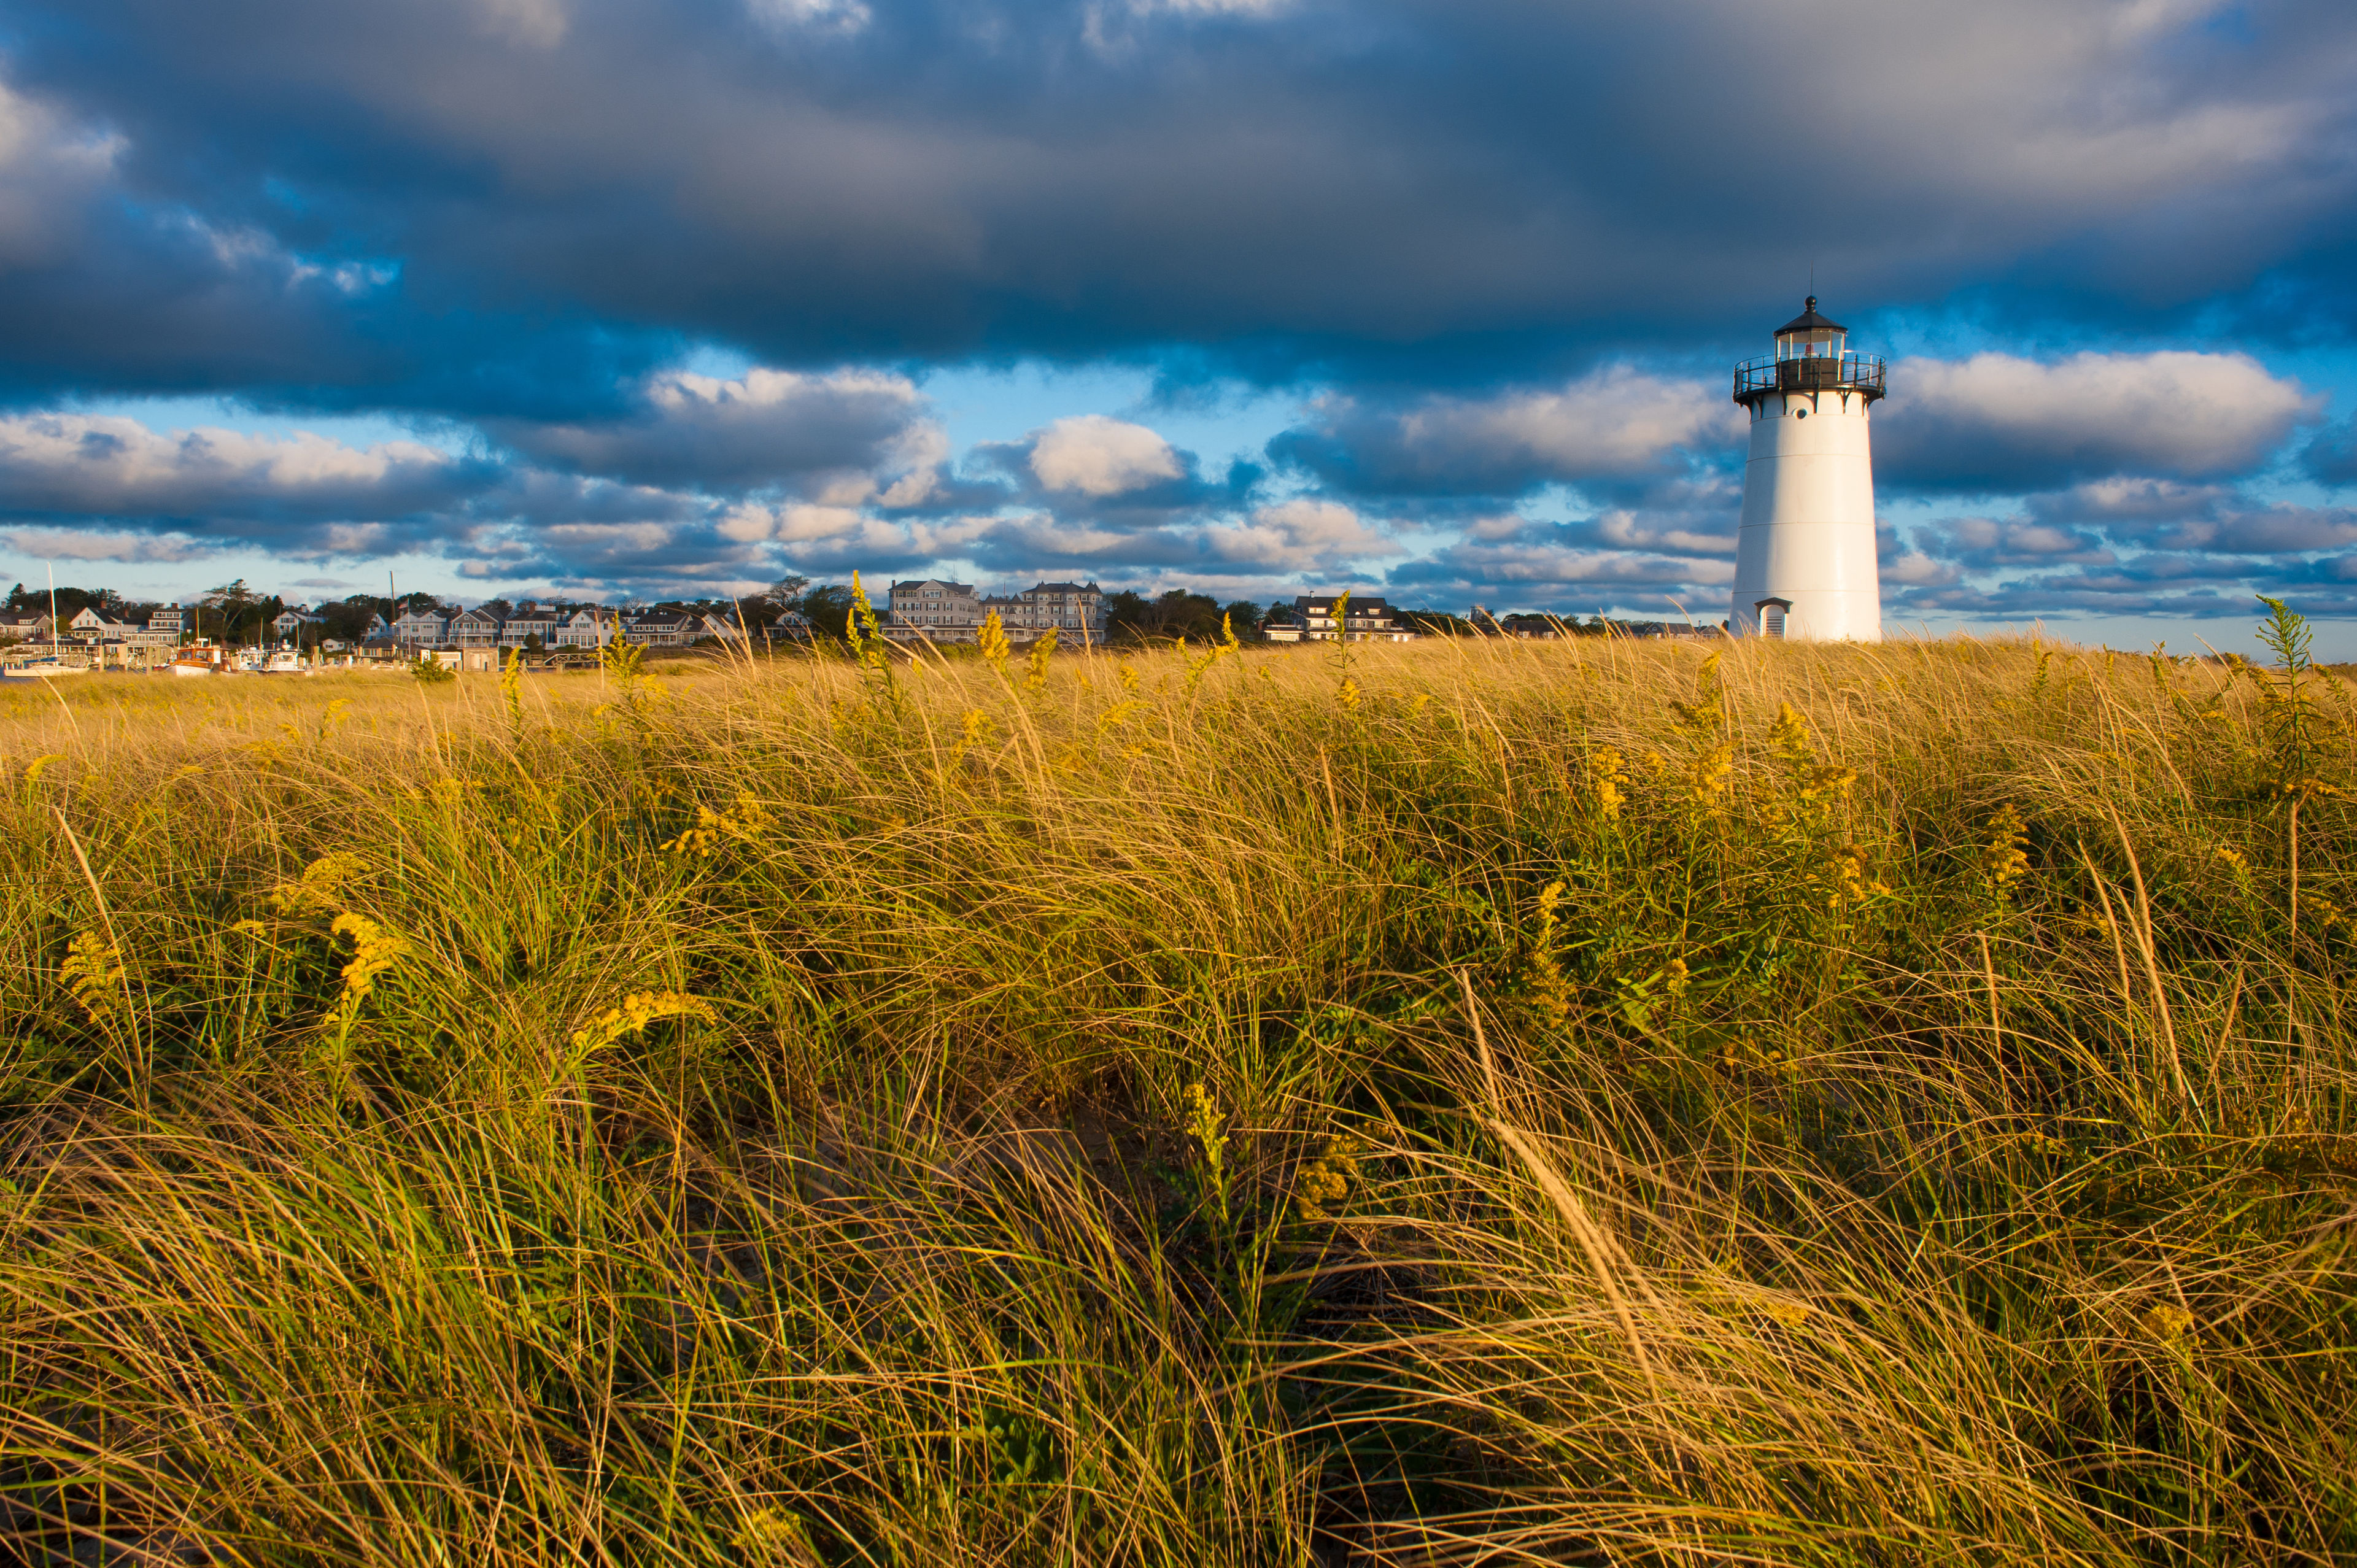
{"x": 764, "y": 427}
{"x": 1468, "y": 182}
{"x": 2332, "y": 457}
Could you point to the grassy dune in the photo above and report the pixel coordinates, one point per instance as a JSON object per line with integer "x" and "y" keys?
{"x": 1484, "y": 1104}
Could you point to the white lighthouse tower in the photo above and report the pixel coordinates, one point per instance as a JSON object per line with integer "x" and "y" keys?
{"x": 1804, "y": 565}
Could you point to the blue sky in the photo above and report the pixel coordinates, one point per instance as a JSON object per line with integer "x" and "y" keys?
{"x": 1434, "y": 298}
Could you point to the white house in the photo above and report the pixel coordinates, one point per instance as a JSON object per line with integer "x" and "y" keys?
{"x": 1065, "y": 607}
{"x": 91, "y": 626}
{"x": 526, "y": 622}
{"x": 477, "y": 627}
{"x": 587, "y": 627}
{"x": 945, "y": 612}
{"x": 1364, "y": 619}
{"x": 661, "y": 629}
{"x": 288, "y": 627}
{"x": 421, "y": 629}
{"x": 953, "y": 612}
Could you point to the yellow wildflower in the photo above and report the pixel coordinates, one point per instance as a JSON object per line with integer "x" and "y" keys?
{"x": 1608, "y": 780}
{"x": 1208, "y": 1123}
{"x": 40, "y": 764}
{"x": 746, "y": 820}
{"x": 2167, "y": 1322}
{"x": 375, "y": 951}
{"x": 1851, "y": 884}
{"x": 92, "y": 974}
{"x": 1706, "y": 777}
{"x": 321, "y": 887}
{"x": 1788, "y": 736}
{"x": 772, "y": 1535}
{"x": 1549, "y": 993}
{"x": 1328, "y": 1180}
{"x": 2007, "y": 859}
{"x": 1041, "y": 650}
{"x": 992, "y": 638}
{"x": 638, "y": 1010}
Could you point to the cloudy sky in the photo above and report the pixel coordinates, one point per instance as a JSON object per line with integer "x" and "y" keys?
{"x": 1437, "y": 297}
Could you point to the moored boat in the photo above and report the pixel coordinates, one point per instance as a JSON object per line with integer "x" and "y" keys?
{"x": 42, "y": 669}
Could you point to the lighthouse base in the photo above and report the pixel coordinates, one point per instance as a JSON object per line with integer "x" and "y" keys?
{"x": 1802, "y": 614}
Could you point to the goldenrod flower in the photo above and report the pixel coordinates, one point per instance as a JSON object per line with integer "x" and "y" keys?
{"x": 92, "y": 974}
{"x": 1851, "y": 884}
{"x": 745, "y": 821}
{"x": 1208, "y": 1124}
{"x": 2007, "y": 859}
{"x": 1041, "y": 652}
{"x": 1789, "y": 738}
{"x": 1607, "y": 781}
{"x": 1549, "y": 993}
{"x": 375, "y": 951}
{"x": 992, "y": 638}
{"x": 1328, "y": 1180}
{"x": 638, "y": 1010}
{"x": 1707, "y": 775}
{"x": 321, "y": 887}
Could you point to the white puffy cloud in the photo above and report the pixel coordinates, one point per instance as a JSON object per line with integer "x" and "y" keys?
{"x": 1997, "y": 422}
{"x": 1298, "y": 536}
{"x": 1614, "y": 422}
{"x": 94, "y": 544}
{"x": 795, "y": 523}
{"x": 1093, "y": 456}
{"x": 110, "y": 467}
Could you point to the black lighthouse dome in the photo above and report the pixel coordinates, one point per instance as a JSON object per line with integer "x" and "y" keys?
{"x": 1809, "y": 323}
{"x": 1812, "y": 355}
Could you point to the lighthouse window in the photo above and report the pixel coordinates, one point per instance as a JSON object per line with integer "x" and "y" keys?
{"x": 1772, "y": 620}
{"x": 1800, "y": 413}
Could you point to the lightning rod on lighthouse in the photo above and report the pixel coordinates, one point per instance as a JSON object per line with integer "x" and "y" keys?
{"x": 1804, "y": 559}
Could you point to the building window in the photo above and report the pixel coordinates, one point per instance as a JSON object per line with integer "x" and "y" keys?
{"x": 1771, "y": 619}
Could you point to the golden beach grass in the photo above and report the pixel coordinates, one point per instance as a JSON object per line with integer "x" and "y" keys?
{"x": 1476, "y": 1103}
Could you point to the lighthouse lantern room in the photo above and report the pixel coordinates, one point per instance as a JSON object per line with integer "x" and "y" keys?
{"x": 1804, "y": 555}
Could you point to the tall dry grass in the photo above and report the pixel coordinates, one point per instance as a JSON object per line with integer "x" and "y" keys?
{"x": 1463, "y": 1103}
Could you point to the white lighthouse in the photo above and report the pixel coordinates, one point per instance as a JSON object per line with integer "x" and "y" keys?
{"x": 1804, "y": 565}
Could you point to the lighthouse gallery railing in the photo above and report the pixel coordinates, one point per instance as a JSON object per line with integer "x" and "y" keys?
{"x": 1823, "y": 372}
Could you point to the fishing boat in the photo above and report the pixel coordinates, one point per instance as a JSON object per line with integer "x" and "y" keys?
{"x": 193, "y": 661}
{"x": 43, "y": 669}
